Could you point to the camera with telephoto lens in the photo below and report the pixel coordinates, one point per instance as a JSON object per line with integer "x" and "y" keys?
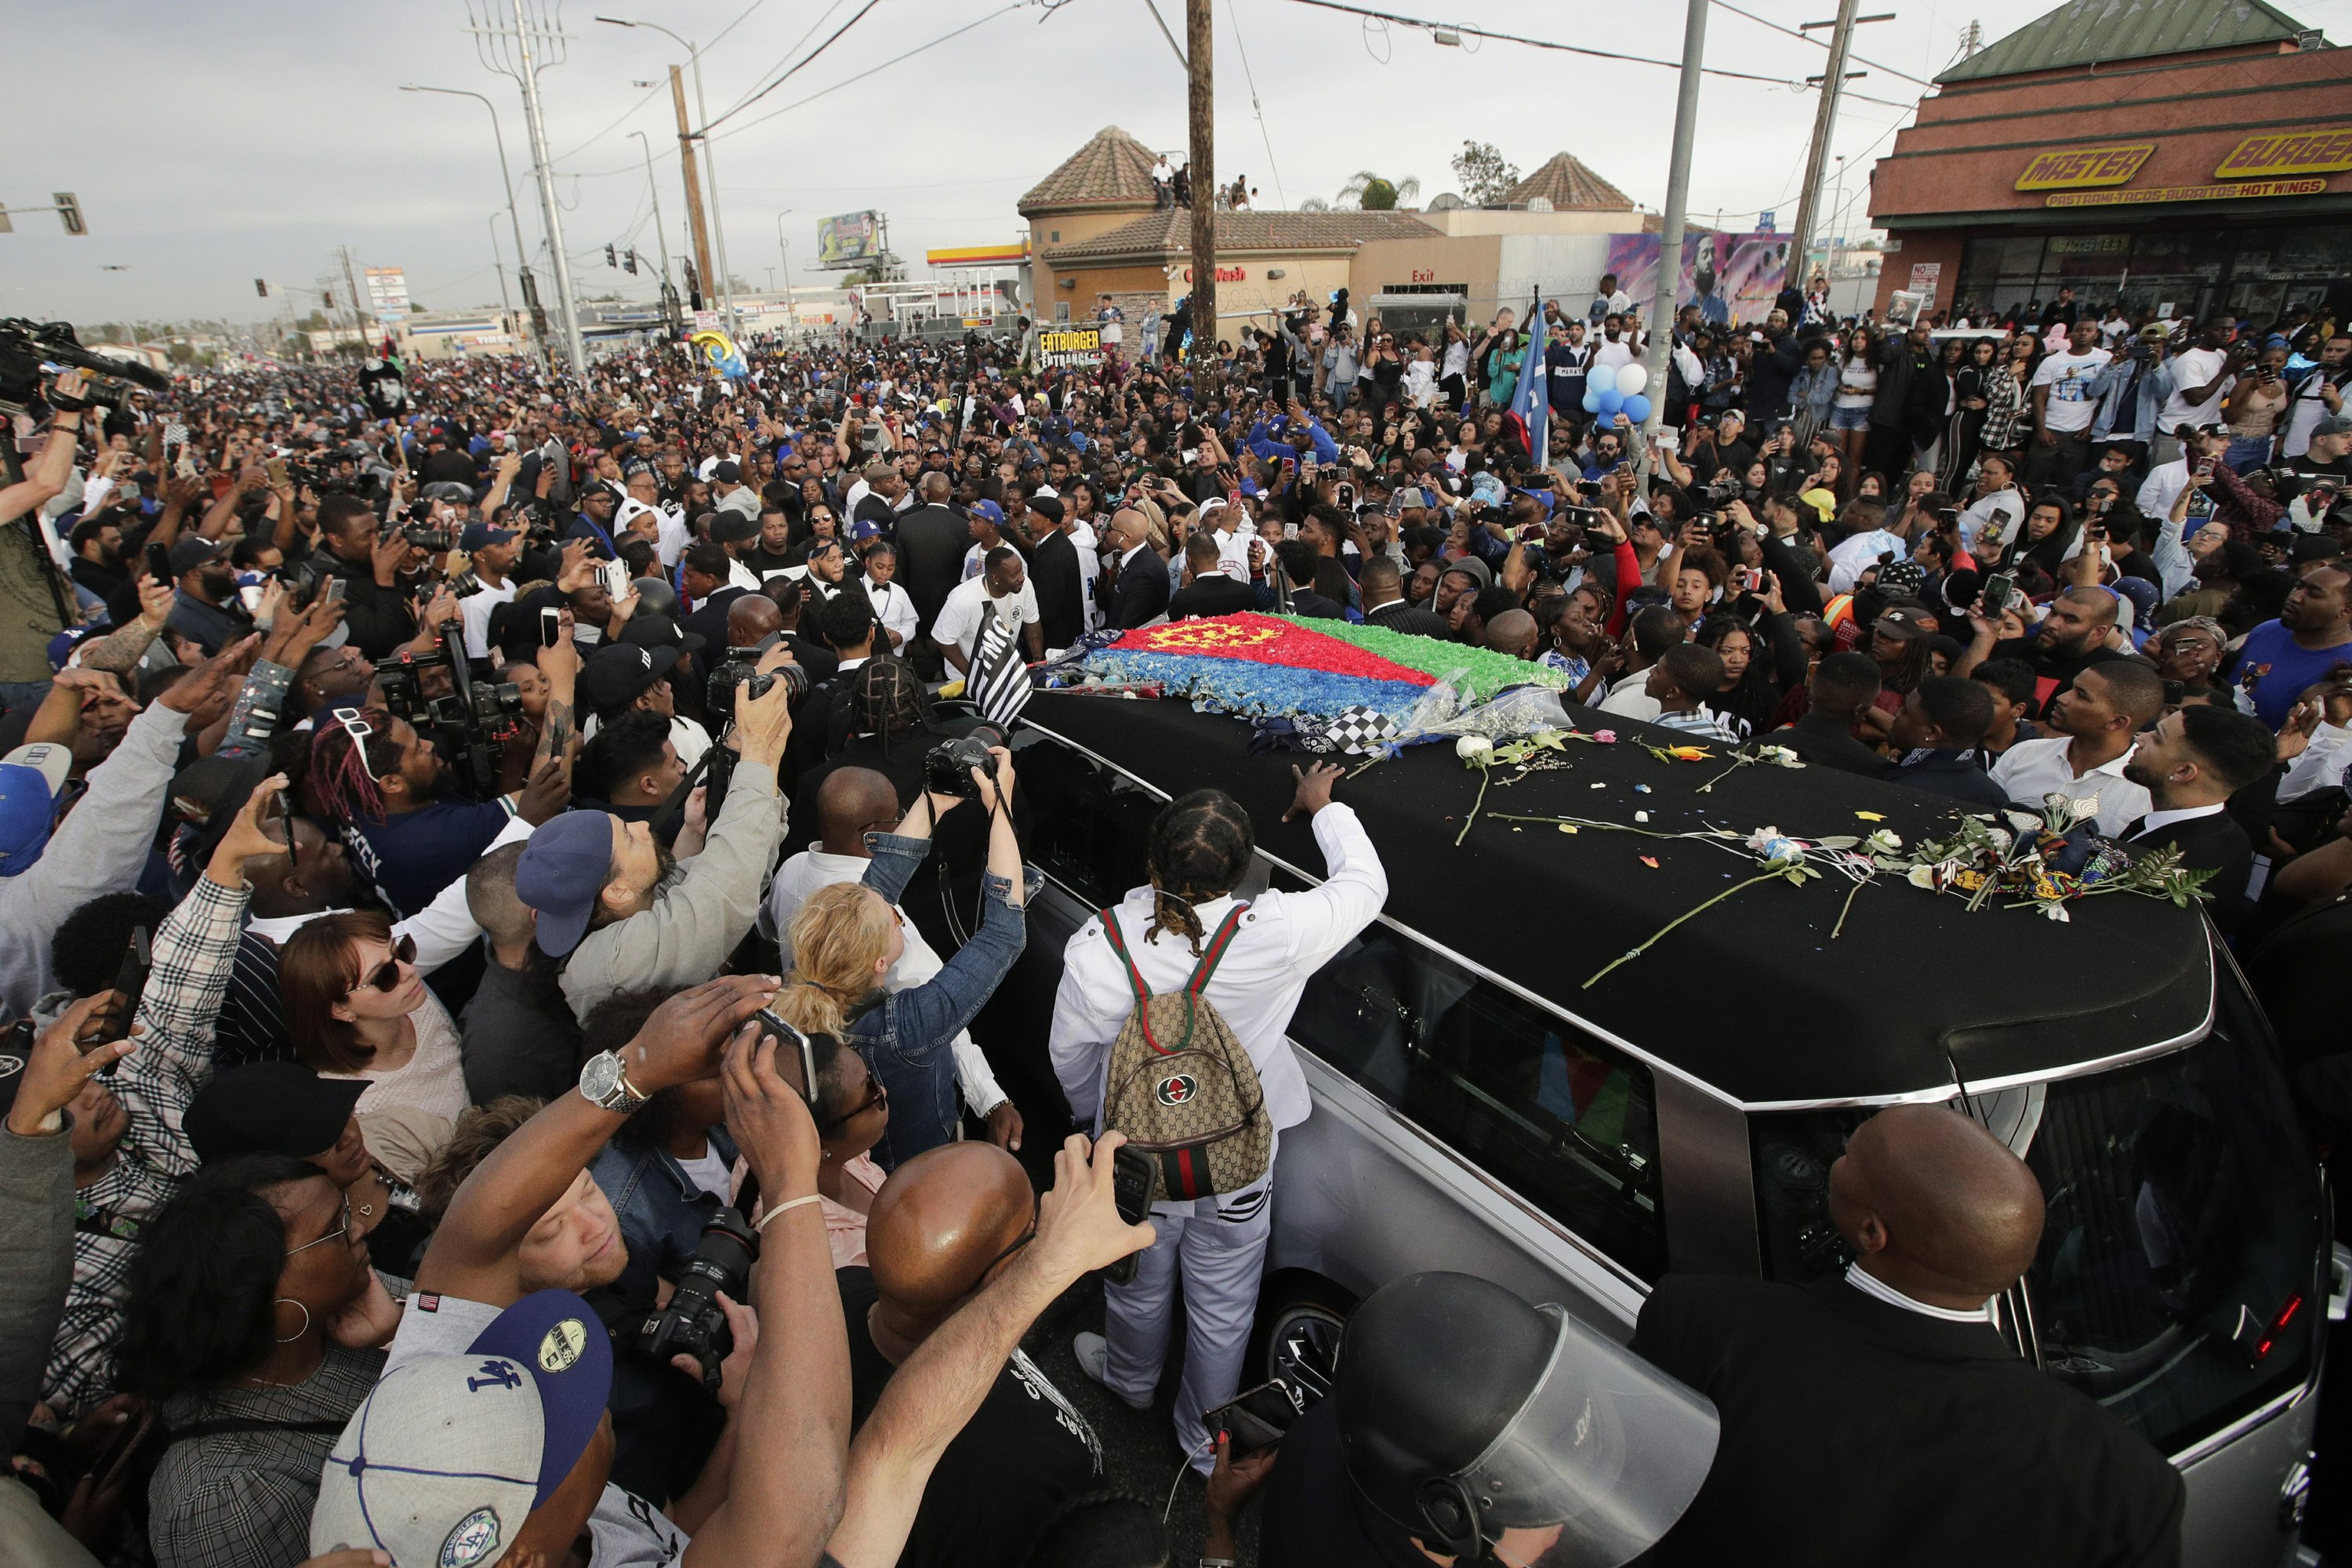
{"x": 1724, "y": 487}
{"x": 740, "y": 667}
{"x": 947, "y": 767}
{"x": 694, "y": 1324}
{"x": 425, "y": 538}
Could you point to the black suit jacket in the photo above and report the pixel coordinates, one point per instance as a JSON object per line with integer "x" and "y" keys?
{"x": 1858, "y": 1433}
{"x": 1055, "y": 571}
{"x": 1143, "y": 590}
{"x": 709, "y": 620}
{"x": 931, "y": 545}
{"x": 1219, "y": 594}
{"x": 1396, "y": 616}
{"x": 2215, "y": 844}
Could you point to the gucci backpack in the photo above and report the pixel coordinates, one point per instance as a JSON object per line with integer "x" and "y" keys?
{"x": 1181, "y": 1088}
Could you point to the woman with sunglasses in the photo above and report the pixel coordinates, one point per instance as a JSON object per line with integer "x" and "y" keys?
{"x": 252, "y": 1324}
{"x": 357, "y": 1007}
{"x": 853, "y": 1109}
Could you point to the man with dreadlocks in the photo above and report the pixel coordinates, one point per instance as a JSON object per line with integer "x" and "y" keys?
{"x": 1201, "y": 850}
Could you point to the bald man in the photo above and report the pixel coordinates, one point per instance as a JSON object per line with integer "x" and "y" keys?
{"x": 1878, "y": 1416}
{"x": 942, "y": 1226}
{"x": 851, "y": 803}
{"x": 1514, "y": 632}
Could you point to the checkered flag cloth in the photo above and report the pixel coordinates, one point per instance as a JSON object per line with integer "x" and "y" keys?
{"x": 1359, "y": 730}
{"x": 1000, "y": 681}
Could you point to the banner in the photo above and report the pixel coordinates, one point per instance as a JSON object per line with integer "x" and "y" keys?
{"x": 387, "y": 292}
{"x": 1069, "y": 346}
{"x": 1731, "y": 278}
{"x": 848, "y": 240}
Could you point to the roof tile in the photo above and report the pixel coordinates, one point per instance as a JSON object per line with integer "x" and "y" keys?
{"x": 1113, "y": 169}
{"x": 2104, "y": 31}
{"x": 1570, "y": 186}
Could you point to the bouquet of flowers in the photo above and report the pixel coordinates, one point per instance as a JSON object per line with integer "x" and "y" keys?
{"x": 2042, "y": 863}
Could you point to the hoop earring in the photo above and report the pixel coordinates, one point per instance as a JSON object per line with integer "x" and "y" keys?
{"x": 297, "y": 1333}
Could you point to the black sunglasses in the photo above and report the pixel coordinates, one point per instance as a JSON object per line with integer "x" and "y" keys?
{"x": 385, "y": 976}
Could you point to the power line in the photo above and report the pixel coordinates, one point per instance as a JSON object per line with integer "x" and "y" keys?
{"x": 885, "y": 65}
{"x": 1264, "y": 134}
{"x": 1808, "y": 38}
{"x": 822, "y": 18}
{"x": 829, "y": 41}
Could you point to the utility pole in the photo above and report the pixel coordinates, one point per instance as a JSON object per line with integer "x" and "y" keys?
{"x": 359, "y": 318}
{"x": 1670, "y": 237}
{"x": 693, "y": 183}
{"x": 498, "y": 265}
{"x": 1817, "y": 157}
{"x": 654, "y": 187}
{"x": 1199, "y": 46}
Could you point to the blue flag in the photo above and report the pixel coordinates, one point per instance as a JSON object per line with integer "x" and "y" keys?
{"x": 1531, "y": 400}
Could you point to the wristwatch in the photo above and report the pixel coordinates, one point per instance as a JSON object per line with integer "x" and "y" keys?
{"x": 605, "y": 1084}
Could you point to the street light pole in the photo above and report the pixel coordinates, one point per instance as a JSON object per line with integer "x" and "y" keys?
{"x": 709, "y": 165}
{"x": 786, "y": 247}
{"x": 653, "y": 186}
{"x": 498, "y": 265}
{"x": 1670, "y": 237}
{"x": 506, "y": 181}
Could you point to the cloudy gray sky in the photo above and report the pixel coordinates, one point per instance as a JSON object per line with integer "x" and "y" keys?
{"x": 232, "y": 142}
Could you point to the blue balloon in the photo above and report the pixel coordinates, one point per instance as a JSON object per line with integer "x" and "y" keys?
{"x": 1592, "y": 401}
{"x": 1637, "y": 407}
{"x": 1611, "y": 401}
{"x": 1602, "y": 378}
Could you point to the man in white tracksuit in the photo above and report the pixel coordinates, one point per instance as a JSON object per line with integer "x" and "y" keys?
{"x": 1201, "y": 850}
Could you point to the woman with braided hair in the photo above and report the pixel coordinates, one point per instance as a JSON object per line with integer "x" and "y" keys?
{"x": 1263, "y": 952}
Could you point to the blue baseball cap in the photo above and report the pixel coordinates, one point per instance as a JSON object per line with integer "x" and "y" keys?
{"x": 562, "y": 1344}
{"x": 478, "y": 534}
{"x": 989, "y": 509}
{"x": 30, "y": 777}
{"x": 563, "y": 868}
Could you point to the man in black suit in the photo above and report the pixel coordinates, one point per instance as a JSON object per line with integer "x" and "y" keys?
{"x": 703, "y": 569}
{"x": 1212, "y": 591}
{"x": 1300, "y": 566}
{"x": 1055, "y": 575}
{"x": 1879, "y": 1416}
{"x": 2190, "y": 764}
{"x": 1844, "y": 684}
{"x": 931, "y": 541}
{"x": 1381, "y": 582}
{"x": 1141, "y": 594}
{"x": 1940, "y": 736}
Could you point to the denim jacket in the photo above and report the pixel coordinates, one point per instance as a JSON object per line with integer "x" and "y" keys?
{"x": 660, "y": 1209}
{"x": 905, "y": 1036}
{"x": 2125, "y": 412}
{"x": 1811, "y": 392}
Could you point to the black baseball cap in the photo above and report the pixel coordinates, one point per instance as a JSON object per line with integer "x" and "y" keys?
{"x": 618, "y": 672}
{"x": 269, "y": 1108}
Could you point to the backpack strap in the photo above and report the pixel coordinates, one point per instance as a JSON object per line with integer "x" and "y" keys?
{"x": 1118, "y": 946}
{"x": 1214, "y": 954}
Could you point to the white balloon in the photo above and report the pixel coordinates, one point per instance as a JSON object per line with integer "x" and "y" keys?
{"x": 1602, "y": 378}
{"x": 1632, "y": 378}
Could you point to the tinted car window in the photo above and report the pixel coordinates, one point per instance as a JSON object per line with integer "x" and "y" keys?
{"x": 1556, "y": 1115}
{"x": 2175, "y": 1282}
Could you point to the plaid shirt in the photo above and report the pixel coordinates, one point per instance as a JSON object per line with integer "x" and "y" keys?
{"x": 2005, "y": 414}
{"x": 192, "y": 949}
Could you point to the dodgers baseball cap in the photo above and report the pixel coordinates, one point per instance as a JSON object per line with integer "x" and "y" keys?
{"x": 448, "y": 1454}
{"x": 478, "y": 534}
{"x": 563, "y": 867}
{"x": 30, "y": 777}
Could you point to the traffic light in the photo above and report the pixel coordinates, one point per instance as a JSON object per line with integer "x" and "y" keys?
{"x": 610, "y": 260}
{"x": 261, "y": 287}
{"x": 326, "y": 299}
{"x": 629, "y": 264}
{"x": 70, "y": 209}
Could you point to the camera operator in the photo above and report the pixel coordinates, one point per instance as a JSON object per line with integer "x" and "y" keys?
{"x": 368, "y": 562}
{"x": 607, "y": 903}
{"x": 526, "y": 1216}
{"x": 36, "y": 600}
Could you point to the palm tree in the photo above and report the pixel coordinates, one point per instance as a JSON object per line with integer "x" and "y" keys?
{"x": 1368, "y": 192}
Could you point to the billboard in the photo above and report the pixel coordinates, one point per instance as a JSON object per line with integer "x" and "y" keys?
{"x": 387, "y": 292}
{"x": 850, "y": 241}
{"x": 1731, "y": 278}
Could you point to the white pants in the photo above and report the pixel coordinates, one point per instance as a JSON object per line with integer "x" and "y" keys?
{"x": 1220, "y": 1256}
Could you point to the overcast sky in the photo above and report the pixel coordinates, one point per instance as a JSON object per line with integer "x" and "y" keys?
{"x": 251, "y": 140}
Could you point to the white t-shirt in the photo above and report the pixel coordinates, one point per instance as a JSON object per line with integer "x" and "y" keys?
{"x": 960, "y": 622}
{"x": 2191, "y": 367}
{"x": 2068, "y": 377}
{"x": 474, "y": 611}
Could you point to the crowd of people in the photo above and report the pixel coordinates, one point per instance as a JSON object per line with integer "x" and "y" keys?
{"x": 484, "y": 855}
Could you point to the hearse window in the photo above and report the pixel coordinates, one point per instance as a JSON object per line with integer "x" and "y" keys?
{"x": 2175, "y": 1278}
{"x": 1556, "y": 1116}
{"x": 1090, "y": 826}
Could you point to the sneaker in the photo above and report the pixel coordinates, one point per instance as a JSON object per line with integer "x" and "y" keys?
{"x": 1092, "y": 1352}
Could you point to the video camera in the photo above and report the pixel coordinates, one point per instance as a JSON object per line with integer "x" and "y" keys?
{"x": 472, "y": 722}
{"x": 27, "y": 350}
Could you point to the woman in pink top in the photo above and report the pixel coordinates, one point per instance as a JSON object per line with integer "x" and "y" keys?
{"x": 852, "y": 1109}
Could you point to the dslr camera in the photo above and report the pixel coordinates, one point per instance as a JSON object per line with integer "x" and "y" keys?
{"x": 947, "y": 767}
{"x": 739, "y": 667}
{"x": 694, "y": 1324}
{"x": 473, "y": 722}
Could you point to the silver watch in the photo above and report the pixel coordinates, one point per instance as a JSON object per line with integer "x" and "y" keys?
{"x": 606, "y": 1085}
